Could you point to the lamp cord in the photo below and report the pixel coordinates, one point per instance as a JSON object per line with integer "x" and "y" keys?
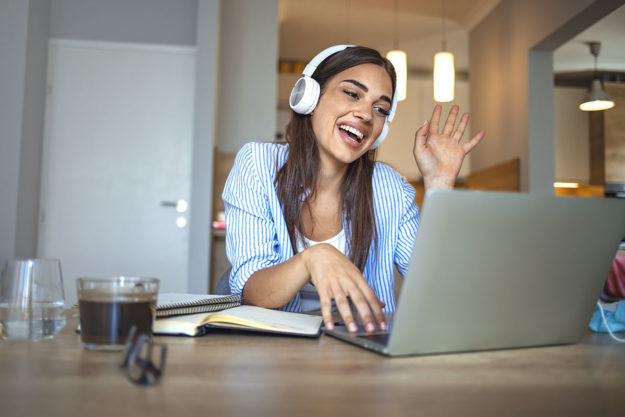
{"x": 347, "y": 13}
{"x": 444, "y": 40}
{"x": 595, "y": 48}
{"x": 395, "y": 41}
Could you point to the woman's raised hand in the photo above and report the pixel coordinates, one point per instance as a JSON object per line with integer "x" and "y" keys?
{"x": 336, "y": 278}
{"x": 439, "y": 155}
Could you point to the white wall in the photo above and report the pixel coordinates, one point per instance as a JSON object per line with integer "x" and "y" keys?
{"x": 508, "y": 88}
{"x": 180, "y": 22}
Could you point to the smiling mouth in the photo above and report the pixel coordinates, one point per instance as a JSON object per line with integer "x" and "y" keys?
{"x": 354, "y": 133}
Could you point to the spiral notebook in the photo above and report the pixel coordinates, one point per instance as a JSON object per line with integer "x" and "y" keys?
{"x": 178, "y": 304}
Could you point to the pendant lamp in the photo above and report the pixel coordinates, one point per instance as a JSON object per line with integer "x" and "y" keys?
{"x": 399, "y": 60}
{"x": 596, "y": 99}
{"x": 444, "y": 71}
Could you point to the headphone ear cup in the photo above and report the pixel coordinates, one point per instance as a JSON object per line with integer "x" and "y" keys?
{"x": 305, "y": 95}
{"x": 382, "y": 136}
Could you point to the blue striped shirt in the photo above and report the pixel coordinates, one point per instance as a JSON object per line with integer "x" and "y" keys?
{"x": 257, "y": 236}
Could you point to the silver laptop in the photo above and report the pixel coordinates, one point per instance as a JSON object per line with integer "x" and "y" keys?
{"x": 493, "y": 270}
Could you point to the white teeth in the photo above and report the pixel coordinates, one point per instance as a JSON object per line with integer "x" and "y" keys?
{"x": 350, "y": 129}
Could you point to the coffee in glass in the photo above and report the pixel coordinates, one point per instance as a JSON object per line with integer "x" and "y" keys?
{"x": 110, "y": 307}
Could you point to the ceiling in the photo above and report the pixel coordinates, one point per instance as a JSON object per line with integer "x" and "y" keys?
{"x": 307, "y": 27}
{"x": 610, "y": 31}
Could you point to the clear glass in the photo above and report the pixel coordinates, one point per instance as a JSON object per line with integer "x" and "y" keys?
{"x": 32, "y": 301}
{"x": 110, "y": 307}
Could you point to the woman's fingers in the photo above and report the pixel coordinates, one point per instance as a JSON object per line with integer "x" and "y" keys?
{"x": 367, "y": 306}
{"x": 346, "y": 312}
{"x": 376, "y": 307}
{"x": 464, "y": 120}
{"x": 421, "y": 136}
{"x": 473, "y": 142}
{"x": 336, "y": 278}
{"x": 448, "y": 128}
{"x": 347, "y": 293}
{"x": 326, "y": 311}
{"x": 439, "y": 155}
{"x": 436, "y": 115}
{"x": 451, "y": 120}
{"x": 363, "y": 308}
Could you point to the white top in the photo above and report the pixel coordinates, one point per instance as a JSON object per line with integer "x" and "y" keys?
{"x": 308, "y": 293}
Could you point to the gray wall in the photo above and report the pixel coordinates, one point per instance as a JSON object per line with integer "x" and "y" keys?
{"x": 507, "y": 81}
{"x": 571, "y": 136}
{"x": 236, "y": 96}
{"x": 23, "y": 48}
{"x": 135, "y": 21}
{"x": 13, "y": 36}
{"x": 32, "y": 130}
{"x": 203, "y": 144}
{"x": 248, "y": 79}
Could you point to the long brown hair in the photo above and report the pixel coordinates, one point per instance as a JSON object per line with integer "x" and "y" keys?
{"x": 296, "y": 179}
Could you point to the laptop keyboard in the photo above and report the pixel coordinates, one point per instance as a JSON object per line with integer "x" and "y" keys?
{"x": 379, "y": 338}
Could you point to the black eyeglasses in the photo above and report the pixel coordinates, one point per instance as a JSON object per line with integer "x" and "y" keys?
{"x": 138, "y": 358}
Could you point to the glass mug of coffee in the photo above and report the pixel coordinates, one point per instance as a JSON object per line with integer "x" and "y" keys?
{"x": 110, "y": 307}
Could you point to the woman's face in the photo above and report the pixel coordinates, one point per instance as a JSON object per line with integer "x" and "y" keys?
{"x": 351, "y": 112}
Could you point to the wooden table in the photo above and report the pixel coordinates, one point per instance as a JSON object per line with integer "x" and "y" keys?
{"x": 230, "y": 374}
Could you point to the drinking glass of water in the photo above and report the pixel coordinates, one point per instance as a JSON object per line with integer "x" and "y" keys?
{"x": 32, "y": 301}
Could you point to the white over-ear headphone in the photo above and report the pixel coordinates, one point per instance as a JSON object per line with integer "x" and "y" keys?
{"x": 306, "y": 92}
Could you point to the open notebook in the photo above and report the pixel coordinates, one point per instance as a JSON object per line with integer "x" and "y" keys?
{"x": 249, "y": 318}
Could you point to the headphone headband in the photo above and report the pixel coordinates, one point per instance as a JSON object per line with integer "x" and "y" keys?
{"x": 321, "y": 56}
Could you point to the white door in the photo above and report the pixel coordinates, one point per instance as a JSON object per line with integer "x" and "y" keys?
{"x": 117, "y": 144}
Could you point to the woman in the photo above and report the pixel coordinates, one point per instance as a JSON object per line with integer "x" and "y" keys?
{"x": 317, "y": 220}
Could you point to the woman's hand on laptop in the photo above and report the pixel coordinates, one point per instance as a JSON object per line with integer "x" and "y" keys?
{"x": 439, "y": 155}
{"x": 336, "y": 278}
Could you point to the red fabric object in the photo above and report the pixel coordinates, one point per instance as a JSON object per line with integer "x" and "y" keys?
{"x": 615, "y": 285}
